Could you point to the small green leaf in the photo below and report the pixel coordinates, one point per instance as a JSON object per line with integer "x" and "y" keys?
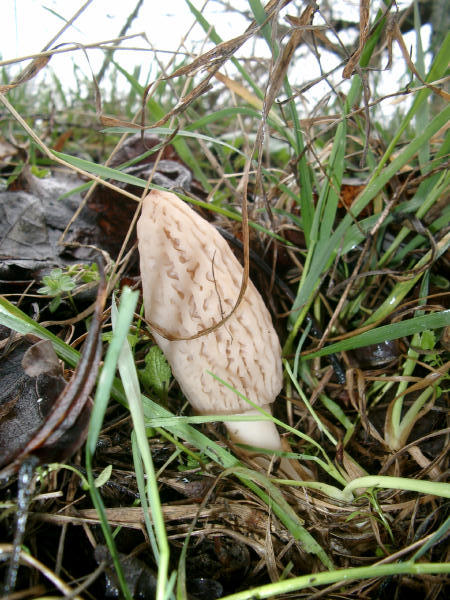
{"x": 89, "y": 274}
{"x": 40, "y": 172}
{"x": 57, "y": 282}
{"x": 66, "y": 283}
{"x": 103, "y": 477}
{"x": 53, "y": 306}
{"x": 46, "y": 290}
{"x": 156, "y": 374}
{"x": 428, "y": 340}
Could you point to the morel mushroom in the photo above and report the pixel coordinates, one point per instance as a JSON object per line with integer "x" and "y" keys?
{"x": 190, "y": 281}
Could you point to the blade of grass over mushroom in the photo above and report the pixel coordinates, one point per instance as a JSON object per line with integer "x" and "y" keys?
{"x": 129, "y": 378}
{"x": 393, "y": 331}
{"x": 114, "y": 174}
{"x": 327, "y": 465}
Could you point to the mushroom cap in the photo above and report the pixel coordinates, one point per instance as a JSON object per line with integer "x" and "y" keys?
{"x": 190, "y": 281}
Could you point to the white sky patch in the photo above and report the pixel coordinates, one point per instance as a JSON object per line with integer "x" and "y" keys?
{"x": 28, "y": 25}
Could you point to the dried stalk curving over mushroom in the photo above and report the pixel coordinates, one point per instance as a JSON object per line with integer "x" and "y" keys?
{"x": 190, "y": 282}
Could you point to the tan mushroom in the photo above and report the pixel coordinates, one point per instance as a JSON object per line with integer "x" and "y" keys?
{"x": 190, "y": 281}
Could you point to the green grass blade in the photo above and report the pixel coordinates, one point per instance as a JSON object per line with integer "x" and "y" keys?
{"x": 102, "y": 395}
{"x": 435, "y": 488}
{"x": 324, "y": 257}
{"x": 393, "y": 331}
{"x": 128, "y": 374}
{"x": 343, "y": 576}
{"x": 17, "y": 320}
{"x": 440, "y": 533}
{"x": 403, "y": 287}
{"x": 179, "y": 132}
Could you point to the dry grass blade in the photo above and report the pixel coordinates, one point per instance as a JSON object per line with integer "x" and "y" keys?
{"x": 212, "y": 60}
{"x": 27, "y": 559}
{"x": 394, "y": 34}
{"x": 364, "y": 27}
{"x": 284, "y": 59}
{"x": 27, "y": 74}
{"x": 40, "y": 62}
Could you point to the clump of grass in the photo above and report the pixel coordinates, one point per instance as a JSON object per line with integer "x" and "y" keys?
{"x": 367, "y": 270}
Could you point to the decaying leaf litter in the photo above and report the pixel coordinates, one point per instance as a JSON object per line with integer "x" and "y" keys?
{"x": 350, "y": 222}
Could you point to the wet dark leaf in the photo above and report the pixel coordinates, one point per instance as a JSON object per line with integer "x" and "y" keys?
{"x": 376, "y": 355}
{"x": 221, "y": 558}
{"x": 191, "y": 485}
{"x": 27, "y": 409}
{"x": 32, "y": 221}
{"x": 205, "y": 589}
{"x": 41, "y": 359}
{"x": 140, "y": 578}
{"x": 47, "y": 418}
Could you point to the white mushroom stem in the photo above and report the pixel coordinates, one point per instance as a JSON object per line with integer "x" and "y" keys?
{"x": 190, "y": 281}
{"x": 259, "y": 434}
{"x": 263, "y": 434}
